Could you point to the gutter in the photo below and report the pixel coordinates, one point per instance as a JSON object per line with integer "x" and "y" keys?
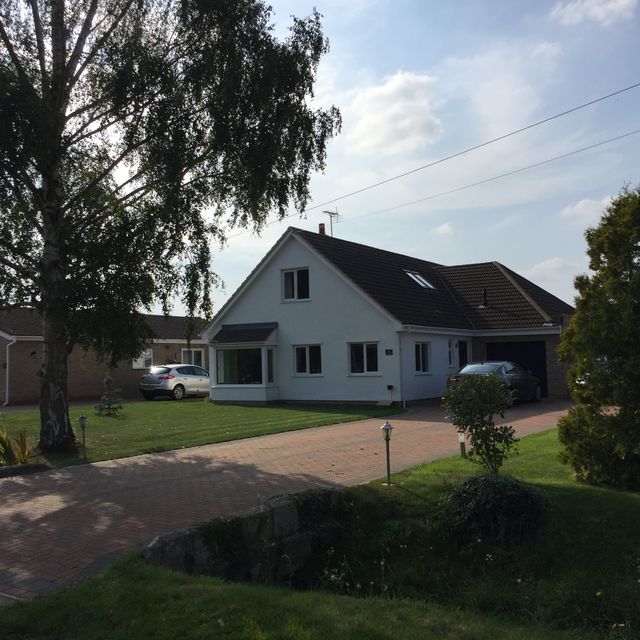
{"x": 8, "y": 371}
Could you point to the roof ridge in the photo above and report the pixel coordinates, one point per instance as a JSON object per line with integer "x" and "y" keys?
{"x": 505, "y": 271}
{"x": 367, "y": 246}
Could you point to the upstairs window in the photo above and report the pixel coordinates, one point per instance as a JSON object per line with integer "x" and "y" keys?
{"x": 295, "y": 284}
{"x": 420, "y": 279}
{"x": 363, "y": 357}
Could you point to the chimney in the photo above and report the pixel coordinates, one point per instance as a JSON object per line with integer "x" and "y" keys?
{"x": 321, "y": 228}
{"x": 484, "y": 304}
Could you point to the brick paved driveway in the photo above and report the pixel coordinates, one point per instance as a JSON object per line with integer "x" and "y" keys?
{"x": 58, "y": 526}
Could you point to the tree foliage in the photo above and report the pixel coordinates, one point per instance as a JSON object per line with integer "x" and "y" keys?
{"x": 601, "y": 434}
{"x": 132, "y": 134}
{"x": 471, "y": 403}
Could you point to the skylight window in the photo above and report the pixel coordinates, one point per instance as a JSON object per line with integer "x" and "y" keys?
{"x": 421, "y": 280}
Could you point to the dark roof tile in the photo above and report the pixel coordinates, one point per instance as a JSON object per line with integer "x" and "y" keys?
{"x": 236, "y": 333}
{"x": 457, "y": 300}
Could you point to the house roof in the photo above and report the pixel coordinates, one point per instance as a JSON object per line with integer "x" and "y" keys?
{"x": 457, "y": 299}
{"x": 22, "y": 322}
{"x": 236, "y": 333}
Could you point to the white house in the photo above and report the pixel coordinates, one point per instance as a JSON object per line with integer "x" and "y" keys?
{"x": 322, "y": 319}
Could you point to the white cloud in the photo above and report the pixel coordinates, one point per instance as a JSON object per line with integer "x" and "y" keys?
{"x": 445, "y": 229}
{"x": 604, "y": 12}
{"x": 547, "y": 50}
{"x": 507, "y": 223}
{"x": 395, "y": 117}
{"x": 586, "y": 211}
{"x": 556, "y": 275}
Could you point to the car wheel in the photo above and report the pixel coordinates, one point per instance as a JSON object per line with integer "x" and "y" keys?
{"x": 148, "y": 395}
{"x": 538, "y": 394}
{"x": 178, "y": 392}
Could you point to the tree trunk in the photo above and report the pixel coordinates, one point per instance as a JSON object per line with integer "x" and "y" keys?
{"x": 56, "y": 432}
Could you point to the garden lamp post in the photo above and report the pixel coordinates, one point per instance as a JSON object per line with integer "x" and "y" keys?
{"x": 82, "y": 421}
{"x": 387, "y": 429}
{"x": 463, "y": 444}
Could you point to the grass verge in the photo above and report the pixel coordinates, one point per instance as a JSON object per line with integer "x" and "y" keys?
{"x": 135, "y": 600}
{"x": 147, "y": 427}
{"x": 582, "y": 572}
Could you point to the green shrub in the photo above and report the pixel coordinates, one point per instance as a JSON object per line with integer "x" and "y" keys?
{"x": 471, "y": 404}
{"x": 494, "y": 509}
{"x": 602, "y": 447}
{"x": 15, "y": 450}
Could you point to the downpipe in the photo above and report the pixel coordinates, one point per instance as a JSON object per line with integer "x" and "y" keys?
{"x": 8, "y": 371}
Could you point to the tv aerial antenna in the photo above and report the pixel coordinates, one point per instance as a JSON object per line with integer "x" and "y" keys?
{"x": 333, "y": 216}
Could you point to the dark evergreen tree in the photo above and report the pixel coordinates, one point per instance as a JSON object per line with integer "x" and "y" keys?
{"x": 601, "y": 434}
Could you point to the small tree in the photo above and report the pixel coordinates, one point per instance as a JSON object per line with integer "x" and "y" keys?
{"x": 601, "y": 434}
{"x": 110, "y": 401}
{"x": 471, "y": 404}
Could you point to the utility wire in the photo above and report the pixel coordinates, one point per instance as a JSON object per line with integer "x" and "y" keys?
{"x": 494, "y": 178}
{"x": 474, "y": 148}
{"x": 452, "y": 156}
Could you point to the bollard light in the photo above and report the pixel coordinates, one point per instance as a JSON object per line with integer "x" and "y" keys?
{"x": 82, "y": 421}
{"x": 386, "y": 430}
{"x": 463, "y": 444}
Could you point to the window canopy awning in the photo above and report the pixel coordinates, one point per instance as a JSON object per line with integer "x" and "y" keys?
{"x": 239, "y": 333}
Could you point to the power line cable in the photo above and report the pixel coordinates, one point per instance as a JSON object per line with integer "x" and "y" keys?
{"x": 498, "y": 177}
{"x": 474, "y": 148}
{"x": 453, "y": 155}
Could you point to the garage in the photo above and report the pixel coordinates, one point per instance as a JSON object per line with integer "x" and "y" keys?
{"x": 531, "y": 355}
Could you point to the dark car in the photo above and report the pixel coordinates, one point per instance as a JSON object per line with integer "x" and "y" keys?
{"x": 523, "y": 383}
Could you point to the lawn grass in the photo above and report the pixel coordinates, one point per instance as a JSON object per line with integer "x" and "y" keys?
{"x": 391, "y": 576}
{"x": 134, "y": 600}
{"x": 164, "y": 425}
{"x": 583, "y": 572}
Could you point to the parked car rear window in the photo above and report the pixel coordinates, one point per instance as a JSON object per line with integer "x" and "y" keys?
{"x": 485, "y": 367}
{"x": 158, "y": 370}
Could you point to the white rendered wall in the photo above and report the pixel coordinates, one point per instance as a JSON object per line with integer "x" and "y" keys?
{"x": 334, "y": 316}
{"x": 419, "y": 385}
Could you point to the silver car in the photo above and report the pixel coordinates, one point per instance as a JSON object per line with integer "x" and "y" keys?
{"x": 174, "y": 380}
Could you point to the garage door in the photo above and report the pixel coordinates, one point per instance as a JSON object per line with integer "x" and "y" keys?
{"x": 530, "y": 355}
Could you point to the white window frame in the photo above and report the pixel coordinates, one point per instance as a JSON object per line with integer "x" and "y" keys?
{"x": 419, "y": 279}
{"x": 306, "y": 373}
{"x": 185, "y": 351}
{"x": 366, "y": 371}
{"x": 295, "y": 272}
{"x": 452, "y": 355}
{"x": 141, "y": 361}
{"x": 421, "y": 348}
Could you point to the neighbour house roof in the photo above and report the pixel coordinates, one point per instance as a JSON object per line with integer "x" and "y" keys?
{"x": 236, "y": 333}
{"x": 480, "y": 296}
{"x": 22, "y": 322}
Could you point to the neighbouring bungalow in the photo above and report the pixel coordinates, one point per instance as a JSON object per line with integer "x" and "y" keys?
{"x": 21, "y": 350}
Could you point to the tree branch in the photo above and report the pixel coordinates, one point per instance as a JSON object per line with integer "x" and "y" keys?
{"x": 112, "y": 165}
{"x": 82, "y": 39}
{"x": 25, "y": 273}
{"x": 40, "y": 42}
{"x": 92, "y": 54}
{"x": 14, "y": 58}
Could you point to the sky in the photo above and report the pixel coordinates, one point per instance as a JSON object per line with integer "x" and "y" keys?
{"x": 417, "y": 81}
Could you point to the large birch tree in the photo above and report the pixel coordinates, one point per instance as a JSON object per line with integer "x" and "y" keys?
{"x": 132, "y": 134}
